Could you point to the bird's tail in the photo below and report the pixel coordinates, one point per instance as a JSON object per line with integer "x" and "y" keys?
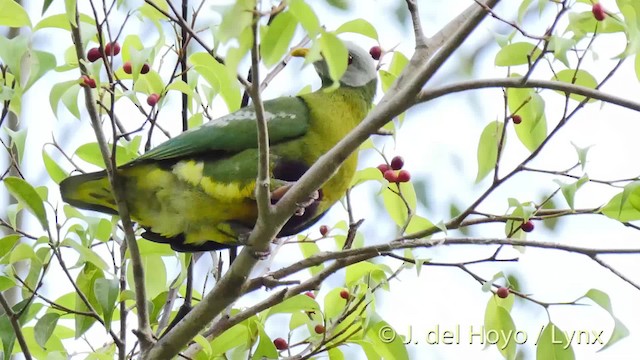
{"x": 89, "y": 191}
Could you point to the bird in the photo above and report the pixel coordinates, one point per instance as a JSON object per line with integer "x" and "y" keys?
{"x": 195, "y": 191}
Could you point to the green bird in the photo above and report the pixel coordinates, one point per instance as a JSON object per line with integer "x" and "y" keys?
{"x": 196, "y": 190}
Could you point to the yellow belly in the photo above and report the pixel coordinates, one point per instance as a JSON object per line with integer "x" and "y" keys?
{"x": 166, "y": 203}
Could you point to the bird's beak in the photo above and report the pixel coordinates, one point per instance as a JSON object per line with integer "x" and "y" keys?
{"x": 300, "y": 52}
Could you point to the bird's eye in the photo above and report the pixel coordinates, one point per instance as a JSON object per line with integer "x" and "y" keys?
{"x": 350, "y": 59}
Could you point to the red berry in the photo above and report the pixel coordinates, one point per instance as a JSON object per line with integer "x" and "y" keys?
{"x": 324, "y": 230}
{"x": 403, "y": 176}
{"x": 527, "y": 227}
{"x": 598, "y": 12}
{"x": 88, "y": 82}
{"x": 127, "y": 68}
{"x": 344, "y": 294}
{"x": 502, "y": 292}
{"x": 112, "y": 48}
{"x": 517, "y": 119}
{"x": 94, "y": 54}
{"x": 375, "y": 52}
{"x": 310, "y": 294}
{"x": 397, "y": 162}
{"x": 390, "y": 176}
{"x": 383, "y": 168}
{"x": 145, "y": 68}
{"x": 152, "y": 99}
{"x": 281, "y": 344}
{"x": 319, "y": 329}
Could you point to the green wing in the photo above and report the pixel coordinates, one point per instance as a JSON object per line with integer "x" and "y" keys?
{"x": 287, "y": 118}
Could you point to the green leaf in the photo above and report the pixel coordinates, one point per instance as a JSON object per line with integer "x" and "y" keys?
{"x": 56, "y": 173}
{"x": 41, "y": 63}
{"x": 60, "y": 21}
{"x": 577, "y": 77}
{"x": 418, "y": 223}
{"x": 522, "y": 9}
{"x": 619, "y": 209}
{"x": 57, "y": 91}
{"x": 13, "y": 52}
{"x": 90, "y": 153}
{"x": 560, "y": 47}
{"x": 569, "y": 190}
{"x": 602, "y": 299}
{"x": 294, "y": 304}
{"x": 395, "y": 205}
{"x": 156, "y": 280}
{"x": 6, "y": 283}
{"x": 637, "y": 65}
{"x": 333, "y": 303}
{"x": 499, "y": 328}
{"x": 13, "y": 15}
{"x": 107, "y": 291}
{"x": 219, "y": 77}
{"x": 18, "y": 139}
{"x": 553, "y": 344}
{"x": 7, "y": 335}
{"x": 152, "y": 13}
{"x": 277, "y": 38}
{"x": 44, "y": 328}
{"x": 530, "y": 106}
{"x": 488, "y": 148}
{"x": 70, "y": 99}
{"x": 521, "y": 211}
{"x": 309, "y": 249}
{"x": 20, "y": 252}
{"x": 236, "y": 19}
{"x": 265, "y": 348}
{"x": 584, "y": 23}
{"x": 359, "y": 26}
{"x": 70, "y": 10}
{"x": 237, "y": 335}
{"x": 27, "y": 197}
{"x": 517, "y": 54}
{"x": 85, "y": 281}
{"x": 335, "y": 55}
{"x": 582, "y": 155}
{"x": 394, "y": 349}
{"x": 335, "y": 354}
{"x": 305, "y": 15}
{"x": 365, "y": 175}
{"x": 356, "y": 272}
{"x": 86, "y": 254}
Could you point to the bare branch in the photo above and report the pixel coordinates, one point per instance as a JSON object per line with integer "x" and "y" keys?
{"x": 123, "y": 211}
{"x": 430, "y": 94}
{"x": 17, "y": 328}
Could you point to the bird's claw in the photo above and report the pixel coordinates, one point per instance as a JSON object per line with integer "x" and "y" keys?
{"x": 260, "y": 254}
{"x": 278, "y": 193}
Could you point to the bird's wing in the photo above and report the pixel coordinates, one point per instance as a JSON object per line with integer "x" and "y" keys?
{"x": 287, "y": 118}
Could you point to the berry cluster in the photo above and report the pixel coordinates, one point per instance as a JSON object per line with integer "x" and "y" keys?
{"x": 113, "y": 49}
{"x": 393, "y": 172}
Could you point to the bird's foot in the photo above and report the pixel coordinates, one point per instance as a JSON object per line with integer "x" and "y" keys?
{"x": 243, "y": 232}
{"x": 260, "y": 254}
{"x": 279, "y": 192}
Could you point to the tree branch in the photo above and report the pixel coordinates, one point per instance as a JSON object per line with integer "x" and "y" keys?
{"x": 144, "y": 330}
{"x": 15, "y": 324}
{"x": 430, "y": 94}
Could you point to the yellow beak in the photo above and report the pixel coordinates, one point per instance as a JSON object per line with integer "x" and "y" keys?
{"x": 299, "y": 52}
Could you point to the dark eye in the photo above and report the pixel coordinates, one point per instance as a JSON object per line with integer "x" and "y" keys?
{"x": 350, "y": 59}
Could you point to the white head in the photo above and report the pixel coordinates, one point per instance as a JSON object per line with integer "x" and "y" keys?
{"x": 360, "y": 71}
